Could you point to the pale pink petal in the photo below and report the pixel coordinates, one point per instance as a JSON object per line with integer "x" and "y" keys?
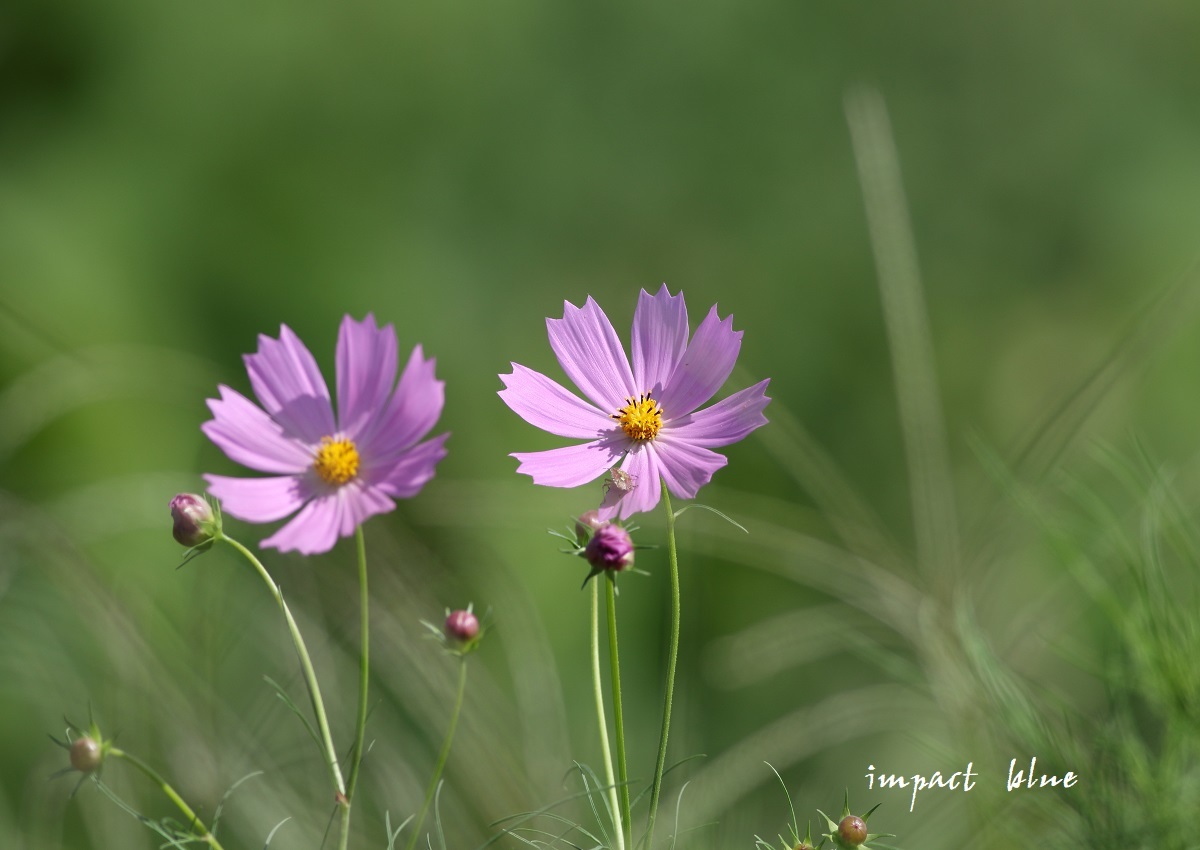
{"x": 550, "y": 406}
{"x": 571, "y": 466}
{"x": 260, "y": 499}
{"x": 589, "y": 352}
{"x": 684, "y": 467}
{"x": 643, "y": 465}
{"x": 366, "y": 372}
{"x": 312, "y": 531}
{"x": 660, "y": 335}
{"x": 360, "y": 501}
{"x": 727, "y": 421}
{"x": 404, "y": 477}
{"x": 251, "y": 437}
{"x": 289, "y": 385}
{"x": 706, "y": 364}
{"x": 411, "y": 413}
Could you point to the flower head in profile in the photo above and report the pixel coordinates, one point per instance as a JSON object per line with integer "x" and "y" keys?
{"x": 332, "y": 470}
{"x": 645, "y": 416}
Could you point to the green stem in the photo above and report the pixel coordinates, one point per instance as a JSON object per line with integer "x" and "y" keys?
{"x": 609, "y": 778}
{"x": 444, "y": 754}
{"x": 310, "y": 676}
{"x": 672, "y": 658}
{"x": 618, "y": 713}
{"x": 364, "y": 676}
{"x": 194, "y": 822}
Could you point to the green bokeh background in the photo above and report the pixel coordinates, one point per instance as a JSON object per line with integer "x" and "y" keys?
{"x": 178, "y": 178}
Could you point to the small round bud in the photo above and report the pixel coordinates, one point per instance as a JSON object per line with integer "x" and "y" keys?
{"x": 193, "y": 519}
{"x": 86, "y": 754}
{"x": 852, "y": 830}
{"x": 586, "y": 525}
{"x": 610, "y": 548}
{"x": 462, "y": 626}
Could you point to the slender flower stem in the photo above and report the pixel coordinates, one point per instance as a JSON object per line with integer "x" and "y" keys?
{"x": 618, "y": 714}
{"x": 444, "y": 754}
{"x": 310, "y": 675}
{"x": 364, "y": 677}
{"x": 609, "y": 778}
{"x": 672, "y": 658}
{"x": 194, "y": 822}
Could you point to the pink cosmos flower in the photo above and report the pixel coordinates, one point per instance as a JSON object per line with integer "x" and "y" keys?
{"x": 646, "y": 417}
{"x": 336, "y": 471}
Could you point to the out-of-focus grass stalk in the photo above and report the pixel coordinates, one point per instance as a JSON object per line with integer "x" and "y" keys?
{"x": 602, "y": 721}
{"x": 193, "y": 820}
{"x": 444, "y": 754}
{"x": 310, "y": 675}
{"x": 672, "y": 658}
{"x": 364, "y": 679}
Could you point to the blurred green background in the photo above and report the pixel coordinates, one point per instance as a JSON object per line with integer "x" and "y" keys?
{"x": 178, "y": 178}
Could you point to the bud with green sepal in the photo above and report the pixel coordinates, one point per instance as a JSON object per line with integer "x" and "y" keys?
{"x": 195, "y": 523}
{"x": 850, "y": 833}
{"x": 461, "y": 630}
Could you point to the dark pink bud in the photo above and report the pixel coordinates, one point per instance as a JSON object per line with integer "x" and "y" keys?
{"x": 462, "y": 626}
{"x": 193, "y": 519}
{"x": 852, "y": 830}
{"x": 610, "y": 548}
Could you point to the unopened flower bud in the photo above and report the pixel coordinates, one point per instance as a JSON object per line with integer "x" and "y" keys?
{"x": 610, "y": 548}
{"x": 462, "y": 626}
{"x": 586, "y": 525}
{"x": 193, "y": 518}
{"x": 86, "y": 754}
{"x": 852, "y": 830}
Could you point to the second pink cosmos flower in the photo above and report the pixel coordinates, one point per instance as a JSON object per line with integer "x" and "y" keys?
{"x": 643, "y": 417}
{"x": 336, "y": 471}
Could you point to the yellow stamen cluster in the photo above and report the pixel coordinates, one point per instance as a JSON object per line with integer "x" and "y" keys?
{"x": 641, "y": 418}
{"x": 336, "y": 461}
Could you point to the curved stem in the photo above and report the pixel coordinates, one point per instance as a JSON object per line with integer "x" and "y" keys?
{"x": 618, "y": 713}
{"x": 672, "y": 658}
{"x": 194, "y": 822}
{"x": 364, "y": 678}
{"x": 618, "y": 821}
{"x": 444, "y": 754}
{"x": 310, "y": 675}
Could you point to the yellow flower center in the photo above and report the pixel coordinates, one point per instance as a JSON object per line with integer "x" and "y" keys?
{"x": 336, "y": 461}
{"x": 640, "y": 419}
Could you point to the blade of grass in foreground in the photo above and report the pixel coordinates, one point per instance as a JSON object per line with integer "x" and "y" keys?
{"x": 935, "y": 520}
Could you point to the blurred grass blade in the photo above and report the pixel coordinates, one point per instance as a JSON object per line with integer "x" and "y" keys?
{"x": 935, "y": 521}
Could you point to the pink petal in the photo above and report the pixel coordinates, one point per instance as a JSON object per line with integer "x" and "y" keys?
{"x": 660, "y": 335}
{"x": 412, "y": 412}
{"x": 705, "y": 365}
{"x": 727, "y": 421}
{"x": 314, "y": 530}
{"x": 260, "y": 499}
{"x": 361, "y": 501}
{"x": 589, "y": 352}
{"x": 643, "y": 464}
{"x": 366, "y": 372}
{"x": 404, "y": 478}
{"x": 571, "y": 466}
{"x": 250, "y": 437}
{"x": 286, "y": 380}
{"x": 550, "y": 406}
{"x": 684, "y": 467}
